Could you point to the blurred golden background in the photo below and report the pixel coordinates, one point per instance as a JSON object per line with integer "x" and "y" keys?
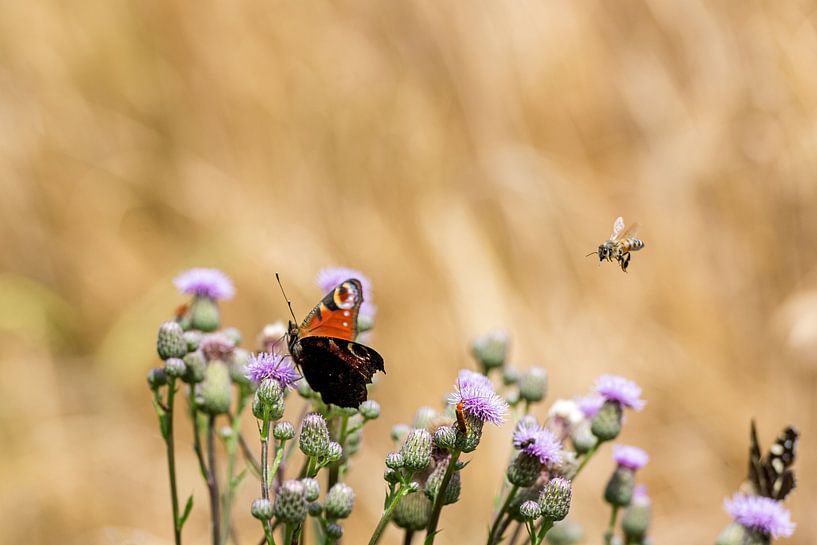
{"x": 466, "y": 156}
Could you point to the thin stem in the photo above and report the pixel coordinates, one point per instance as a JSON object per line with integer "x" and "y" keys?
{"x": 438, "y": 500}
{"x": 608, "y": 535}
{"x": 495, "y": 533}
{"x": 547, "y": 524}
{"x": 387, "y": 512}
{"x": 409, "y": 537}
{"x": 515, "y": 534}
{"x": 248, "y": 457}
{"x": 529, "y": 526}
{"x": 589, "y": 454}
{"x": 265, "y": 480}
{"x": 171, "y": 458}
{"x": 334, "y": 470}
{"x": 212, "y": 482}
{"x": 194, "y": 416}
{"x": 232, "y": 450}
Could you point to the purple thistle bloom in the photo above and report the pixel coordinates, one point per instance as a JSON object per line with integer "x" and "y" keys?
{"x": 761, "y": 514}
{"x": 480, "y": 402}
{"x": 620, "y": 390}
{"x": 210, "y": 283}
{"x": 525, "y": 432}
{"x": 275, "y": 366}
{"x": 329, "y": 278}
{"x": 630, "y": 457}
{"x": 536, "y": 441}
{"x": 590, "y": 405}
{"x": 467, "y": 378}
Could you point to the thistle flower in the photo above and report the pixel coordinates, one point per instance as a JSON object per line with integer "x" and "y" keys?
{"x": 760, "y": 514}
{"x": 339, "y": 501}
{"x": 555, "y": 499}
{"x": 216, "y": 346}
{"x": 170, "y": 341}
{"x": 467, "y": 378}
{"x": 314, "y": 439}
{"x": 566, "y": 411}
{"x": 529, "y": 510}
{"x": 290, "y": 503}
{"x": 589, "y": 405}
{"x": 261, "y": 509}
{"x": 536, "y": 441}
{"x": 329, "y": 278}
{"x": 632, "y": 458}
{"x": 533, "y": 384}
{"x": 636, "y": 519}
{"x": 625, "y": 392}
{"x": 413, "y": 512}
{"x": 606, "y": 425}
{"x": 394, "y": 460}
{"x": 416, "y": 450}
{"x": 491, "y": 349}
{"x": 268, "y": 402}
{"x": 238, "y": 366}
{"x": 479, "y": 399}
{"x": 267, "y": 365}
{"x": 334, "y": 452}
{"x": 619, "y": 489}
{"x": 445, "y": 437}
{"x": 208, "y": 283}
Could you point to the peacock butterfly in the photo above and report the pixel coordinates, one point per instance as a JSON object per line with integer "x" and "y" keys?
{"x": 324, "y": 347}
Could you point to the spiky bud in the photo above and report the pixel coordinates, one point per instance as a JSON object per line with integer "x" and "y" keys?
{"x": 525, "y": 494}
{"x": 369, "y": 409}
{"x": 391, "y": 476}
{"x": 334, "y": 452}
{"x": 636, "y": 521}
{"x": 555, "y": 499}
{"x": 339, "y": 501}
{"x": 565, "y": 533}
{"x": 491, "y": 349}
{"x": 582, "y": 438}
{"x": 156, "y": 378}
{"x": 215, "y": 391}
{"x": 399, "y": 432}
{"x": 468, "y": 441}
{"x": 290, "y": 503}
{"x": 353, "y": 441}
{"x": 283, "y": 431}
{"x": 196, "y": 367}
{"x": 170, "y": 341}
{"x": 314, "y": 440}
{"x": 394, "y": 460}
{"x": 606, "y": 424}
{"x": 445, "y": 437}
{"x": 533, "y": 384}
{"x": 416, "y": 450}
{"x": 334, "y": 530}
{"x": 734, "y": 534}
{"x": 270, "y": 392}
{"x": 261, "y": 509}
{"x": 510, "y": 376}
{"x": 238, "y": 366}
{"x": 619, "y": 490}
{"x": 424, "y": 417}
{"x": 314, "y": 509}
{"x": 204, "y": 314}
{"x": 311, "y": 489}
{"x": 192, "y": 339}
{"x": 524, "y": 470}
{"x": 435, "y": 481}
{"x": 529, "y": 510}
{"x": 413, "y": 512}
{"x": 174, "y": 367}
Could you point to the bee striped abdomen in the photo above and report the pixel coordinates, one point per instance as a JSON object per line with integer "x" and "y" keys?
{"x": 632, "y": 244}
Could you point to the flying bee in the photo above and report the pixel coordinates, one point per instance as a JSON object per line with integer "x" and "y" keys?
{"x": 620, "y": 244}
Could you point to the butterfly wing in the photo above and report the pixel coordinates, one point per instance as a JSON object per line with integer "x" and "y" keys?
{"x": 336, "y": 314}
{"x": 337, "y": 368}
{"x": 771, "y": 475}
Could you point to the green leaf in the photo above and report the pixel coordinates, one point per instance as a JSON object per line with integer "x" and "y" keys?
{"x": 188, "y": 507}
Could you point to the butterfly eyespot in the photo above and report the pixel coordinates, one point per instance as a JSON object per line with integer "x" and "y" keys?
{"x": 346, "y": 295}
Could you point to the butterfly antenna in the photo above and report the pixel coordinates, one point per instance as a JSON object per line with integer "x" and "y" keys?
{"x": 289, "y": 303}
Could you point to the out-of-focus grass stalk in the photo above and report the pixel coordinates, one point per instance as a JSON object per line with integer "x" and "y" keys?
{"x": 608, "y": 535}
{"x": 212, "y": 481}
{"x": 496, "y": 530}
{"x": 231, "y": 445}
{"x": 265, "y": 480}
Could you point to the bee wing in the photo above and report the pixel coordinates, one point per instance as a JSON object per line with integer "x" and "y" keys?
{"x": 618, "y": 227}
{"x": 629, "y": 232}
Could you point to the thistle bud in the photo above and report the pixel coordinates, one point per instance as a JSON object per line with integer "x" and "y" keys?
{"x": 636, "y": 519}
{"x": 399, "y": 432}
{"x": 192, "y": 339}
{"x": 416, "y": 450}
{"x": 606, "y": 424}
{"x": 262, "y": 509}
{"x": 314, "y": 509}
{"x": 435, "y": 481}
{"x": 270, "y": 392}
{"x": 413, "y": 512}
{"x": 391, "y": 476}
{"x": 370, "y": 409}
{"x": 311, "y": 489}
{"x": 565, "y": 533}
{"x": 445, "y": 437}
{"x": 510, "y": 376}
{"x": 174, "y": 367}
{"x": 233, "y": 334}
{"x": 491, "y": 349}
{"x": 334, "y": 530}
{"x": 424, "y": 417}
{"x": 468, "y": 441}
{"x": 204, "y": 314}
{"x": 290, "y": 504}
{"x": 582, "y": 438}
{"x": 394, "y": 460}
{"x": 238, "y": 366}
{"x": 353, "y": 443}
{"x": 533, "y": 384}
{"x": 283, "y": 431}
{"x": 619, "y": 490}
{"x": 555, "y": 499}
{"x": 334, "y": 452}
{"x": 524, "y": 470}
{"x": 215, "y": 391}
{"x": 339, "y": 501}
{"x": 196, "y": 367}
{"x": 529, "y": 510}
{"x": 314, "y": 440}
{"x": 734, "y": 534}
{"x": 525, "y": 494}
{"x": 156, "y": 378}
{"x": 170, "y": 341}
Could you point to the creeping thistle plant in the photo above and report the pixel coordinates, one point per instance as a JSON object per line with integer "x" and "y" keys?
{"x": 300, "y": 465}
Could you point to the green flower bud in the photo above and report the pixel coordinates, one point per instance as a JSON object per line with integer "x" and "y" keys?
{"x": 413, "y": 512}
{"x": 524, "y": 470}
{"x": 435, "y": 481}
{"x": 445, "y": 437}
{"x": 283, "y": 431}
{"x": 234, "y": 335}
{"x": 391, "y": 476}
{"x": 525, "y": 494}
{"x": 468, "y": 441}
{"x": 339, "y": 501}
{"x": 555, "y": 499}
{"x": 196, "y": 367}
{"x": 273, "y": 410}
{"x": 215, "y": 392}
{"x": 192, "y": 339}
{"x": 170, "y": 341}
{"x": 204, "y": 314}
{"x": 156, "y": 378}
{"x": 270, "y": 392}
{"x": 399, "y": 432}
{"x": 238, "y": 366}
{"x": 533, "y": 384}
{"x": 290, "y": 504}
{"x": 606, "y": 424}
{"x": 334, "y": 530}
{"x": 394, "y": 460}
{"x": 636, "y": 521}
{"x": 491, "y": 349}
{"x": 529, "y": 510}
{"x": 334, "y": 452}
{"x": 413, "y": 486}
{"x": 582, "y": 438}
{"x": 565, "y": 533}
{"x": 174, "y": 367}
{"x": 314, "y": 440}
{"x": 619, "y": 490}
{"x": 311, "y": 489}
{"x": 315, "y": 509}
{"x": 353, "y": 441}
{"x": 424, "y": 417}
{"x": 510, "y": 376}
{"x": 370, "y": 409}
{"x": 734, "y": 534}
{"x": 416, "y": 450}
{"x": 304, "y": 390}
{"x": 261, "y": 509}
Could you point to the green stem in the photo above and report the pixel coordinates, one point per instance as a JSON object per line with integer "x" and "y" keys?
{"x": 409, "y": 537}
{"x": 334, "y": 470}
{"x": 531, "y": 531}
{"x": 212, "y": 482}
{"x": 589, "y": 454}
{"x": 171, "y": 458}
{"x": 546, "y": 526}
{"x": 608, "y": 535}
{"x": 492, "y": 535}
{"x": 232, "y": 450}
{"x": 438, "y": 500}
{"x": 265, "y": 481}
{"x": 387, "y": 512}
{"x": 289, "y": 533}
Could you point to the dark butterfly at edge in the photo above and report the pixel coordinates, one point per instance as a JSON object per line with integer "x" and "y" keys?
{"x": 771, "y": 475}
{"x": 324, "y": 347}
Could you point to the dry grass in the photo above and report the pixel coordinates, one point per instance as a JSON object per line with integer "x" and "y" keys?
{"x": 466, "y": 156}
